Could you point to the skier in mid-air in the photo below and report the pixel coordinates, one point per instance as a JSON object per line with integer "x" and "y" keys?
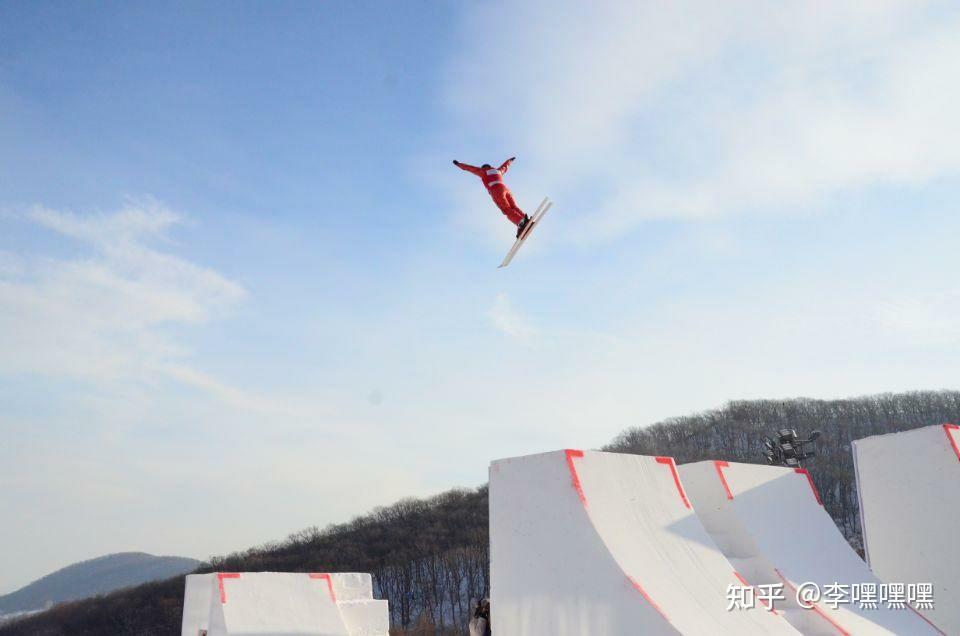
{"x": 498, "y": 190}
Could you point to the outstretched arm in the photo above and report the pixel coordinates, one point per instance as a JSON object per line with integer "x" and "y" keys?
{"x": 506, "y": 165}
{"x": 466, "y": 166}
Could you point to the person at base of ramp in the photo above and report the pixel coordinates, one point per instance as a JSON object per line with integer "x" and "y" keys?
{"x": 498, "y": 190}
{"x": 480, "y": 623}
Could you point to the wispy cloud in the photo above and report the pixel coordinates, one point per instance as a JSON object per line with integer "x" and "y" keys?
{"x": 509, "y": 321}
{"x": 100, "y": 316}
{"x": 924, "y": 319}
{"x": 132, "y": 224}
{"x": 630, "y": 111}
{"x": 244, "y": 400}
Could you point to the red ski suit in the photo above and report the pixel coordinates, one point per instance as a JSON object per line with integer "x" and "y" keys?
{"x": 501, "y": 195}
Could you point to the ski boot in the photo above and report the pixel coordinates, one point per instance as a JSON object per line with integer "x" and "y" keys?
{"x": 523, "y": 224}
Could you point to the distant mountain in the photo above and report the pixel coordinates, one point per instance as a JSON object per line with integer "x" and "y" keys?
{"x": 96, "y": 576}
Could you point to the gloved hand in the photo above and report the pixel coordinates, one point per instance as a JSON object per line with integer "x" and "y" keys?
{"x": 456, "y": 163}
{"x": 512, "y": 158}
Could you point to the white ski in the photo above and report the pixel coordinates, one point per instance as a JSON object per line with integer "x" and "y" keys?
{"x": 540, "y": 212}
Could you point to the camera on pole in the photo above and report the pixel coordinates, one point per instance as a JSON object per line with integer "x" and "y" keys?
{"x": 786, "y": 449}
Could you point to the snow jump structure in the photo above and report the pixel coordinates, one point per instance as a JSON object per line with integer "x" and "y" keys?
{"x": 606, "y": 544}
{"x": 909, "y": 491}
{"x": 282, "y": 604}
{"x": 771, "y": 525}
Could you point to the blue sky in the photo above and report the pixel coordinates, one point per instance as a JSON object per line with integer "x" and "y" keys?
{"x": 243, "y": 291}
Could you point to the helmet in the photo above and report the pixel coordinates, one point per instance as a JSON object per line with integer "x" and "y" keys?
{"x": 486, "y": 166}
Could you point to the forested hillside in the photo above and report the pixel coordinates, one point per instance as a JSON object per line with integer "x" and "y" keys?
{"x": 430, "y": 557}
{"x": 733, "y": 433}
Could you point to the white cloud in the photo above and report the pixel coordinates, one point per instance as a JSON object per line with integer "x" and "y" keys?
{"x": 509, "y": 321}
{"x": 132, "y": 223}
{"x": 100, "y": 316}
{"x": 243, "y": 400}
{"x": 627, "y": 111}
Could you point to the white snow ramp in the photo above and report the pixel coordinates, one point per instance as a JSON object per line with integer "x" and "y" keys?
{"x": 283, "y": 604}
{"x": 770, "y": 523}
{"x": 603, "y": 544}
{"x": 909, "y": 489}
{"x": 197, "y": 595}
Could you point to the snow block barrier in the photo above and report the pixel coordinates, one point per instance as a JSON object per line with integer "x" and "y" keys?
{"x": 282, "y": 604}
{"x": 770, "y": 523}
{"x": 606, "y": 544}
{"x": 908, "y": 485}
{"x": 197, "y": 595}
